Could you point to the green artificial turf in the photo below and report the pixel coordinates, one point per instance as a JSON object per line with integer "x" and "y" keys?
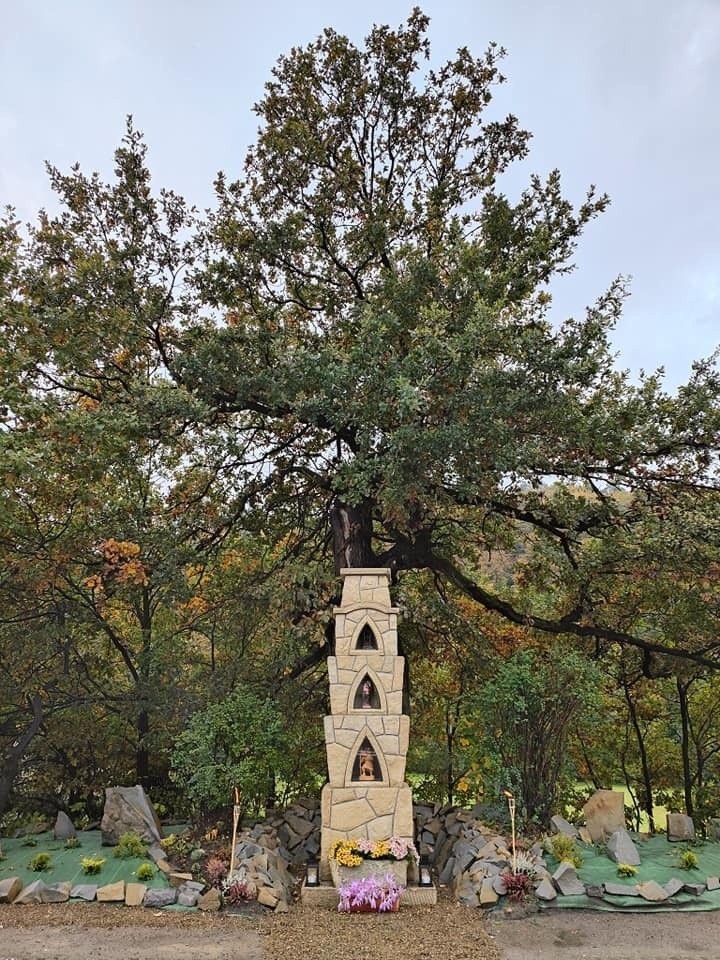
{"x": 659, "y": 862}
{"x": 66, "y": 862}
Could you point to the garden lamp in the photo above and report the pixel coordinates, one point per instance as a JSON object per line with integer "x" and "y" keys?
{"x": 312, "y": 873}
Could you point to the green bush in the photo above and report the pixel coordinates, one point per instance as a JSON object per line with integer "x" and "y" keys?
{"x": 626, "y": 870}
{"x": 687, "y": 860}
{"x": 92, "y": 865}
{"x": 72, "y": 843}
{"x": 130, "y": 845}
{"x": 145, "y": 872}
{"x": 563, "y": 847}
{"x": 41, "y": 861}
{"x": 236, "y": 742}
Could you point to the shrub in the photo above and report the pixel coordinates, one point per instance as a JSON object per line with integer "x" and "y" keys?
{"x": 145, "y": 872}
{"x": 626, "y": 870}
{"x": 563, "y": 847}
{"x": 518, "y": 886}
{"x": 41, "y": 861}
{"x": 176, "y": 844}
{"x": 72, "y": 843}
{"x": 130, "y": 845}
{"x": 687, "y": 860}
{"x": 215, "y": 871}
{"x": 239, "y": 891}
{"x": 92, "y": 865}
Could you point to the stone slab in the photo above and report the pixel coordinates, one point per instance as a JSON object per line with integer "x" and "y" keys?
{"x": 135, "y": 894}
{"x": 111, "y": 892}
{"x": 680, "y": 828}
{"x": 652, "y": 891}
{"x": 10, "y": 889}
{"x": 84, "y": 891}
{"x": 604, "y": 814}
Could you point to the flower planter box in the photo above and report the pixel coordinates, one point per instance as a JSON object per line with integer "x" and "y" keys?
{"x": 369, "y": 868}
{"x": 366, "y": 908}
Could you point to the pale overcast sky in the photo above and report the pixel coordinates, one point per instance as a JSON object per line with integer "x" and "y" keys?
{"x": 621, "y": 93}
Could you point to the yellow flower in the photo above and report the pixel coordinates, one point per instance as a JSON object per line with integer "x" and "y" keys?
{"x": 380, "y": 849}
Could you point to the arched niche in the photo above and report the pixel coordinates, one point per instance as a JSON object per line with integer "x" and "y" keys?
{"x": 366, "y": 699}
{"x": 367, "y": 764}
{"x": 366, "y": 638}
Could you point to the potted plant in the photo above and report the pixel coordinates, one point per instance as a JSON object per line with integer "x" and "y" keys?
{"x": 372, "y": 894}
{"x": 351, "y": 859}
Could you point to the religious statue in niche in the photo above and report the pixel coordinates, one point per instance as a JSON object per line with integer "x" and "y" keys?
{"x": 367, "y": 765}
{"x": 366, "y": 695}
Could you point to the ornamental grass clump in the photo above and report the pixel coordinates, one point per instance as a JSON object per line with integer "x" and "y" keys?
{"x": 145, "y": 872}
{"x": 374, "y": 893}
{"x": 130, "y": 845}
{"x": 92, "y": 865}
{"x": 626, "y": 870}
{"x": 40, "y": 862}
{"x": 352, "y": 852}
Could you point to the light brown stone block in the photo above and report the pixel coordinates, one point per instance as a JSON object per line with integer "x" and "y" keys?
{"x": 134, "y": 894}
{"x": 111, "y": 892}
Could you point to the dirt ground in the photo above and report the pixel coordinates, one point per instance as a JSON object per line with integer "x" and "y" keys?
{"x": 445, "y": 932}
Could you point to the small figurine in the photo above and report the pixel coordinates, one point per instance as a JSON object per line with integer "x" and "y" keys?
{"x": 367, "y": 765}
{"x": 366, "y": 694}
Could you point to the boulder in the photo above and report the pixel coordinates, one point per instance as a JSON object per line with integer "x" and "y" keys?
{"x": 187, "y": 897}
{"x": 10, "y": 889}
{"x": 567, "y": 881}
{"x": 56, "y": 892}
{"x": 560, "y": 825}
{"x": 714, "y": 829}
{"x": 621, "y": 889}
{"x": 111, "y": 892}
{"x": 83, "y": 891}
{"x": 488, "y": 894}
{"x": 128, "y": 810}
{"x": 32, "y": 893}
{"x": 652, "y": 891}
{"x": 545, "y": 890}
{"x": 680, "y": 828}
{"x": 267, "y": 897}
{"x": 466, "y": 894}
{"x": 673, "y": 886}
{"x": 135, "y": 894}
{"x": 604, "y": 814}
{"x": 621, "y": 849}
{"x": 160, "y": 897}
{"x": 64, "y": 829}
{"x": 210, "y": 901}
{"x": 499, "y": 885}
{"x": 696, "y": 889}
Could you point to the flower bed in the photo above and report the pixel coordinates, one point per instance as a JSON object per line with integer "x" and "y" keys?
{"x": 358, "y": 859}
{"x": 373, "y": 894}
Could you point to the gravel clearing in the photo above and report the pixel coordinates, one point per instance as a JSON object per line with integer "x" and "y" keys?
{"x": 91, "y": 931}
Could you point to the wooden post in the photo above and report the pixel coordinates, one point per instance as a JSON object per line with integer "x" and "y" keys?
{"x": 236, "y": 818}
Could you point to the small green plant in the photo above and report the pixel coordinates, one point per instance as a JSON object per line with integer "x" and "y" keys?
{"x": 41, "y": 861}
{"x": 72, "y": 843}
{"x": 145, "y": 872}
{"x": 563, "y": 847}
{"x": 29, "y": 842}
{"x": 92, "y": 865}
{"x": 130, "y": 845}
{"x": 176, "y": 844}
{"x": 626, "y": 870}
{"x": 687, "y": 860}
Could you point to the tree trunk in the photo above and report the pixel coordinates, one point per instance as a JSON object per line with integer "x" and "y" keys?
{"x": 14, "y": 753}
{"x": 647, "y": 781}
{"x": 682, "y": 689}
{"x": 352, "y": 535}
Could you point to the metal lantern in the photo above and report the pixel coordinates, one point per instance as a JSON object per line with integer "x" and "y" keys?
{"x": 312, "y": 873}
{"x": 425, "y": 873}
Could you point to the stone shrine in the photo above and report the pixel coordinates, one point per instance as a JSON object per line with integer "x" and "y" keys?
{"x": 366, "y": 734}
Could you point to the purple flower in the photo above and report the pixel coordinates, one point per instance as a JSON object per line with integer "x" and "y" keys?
{"x": 380, "y": 894}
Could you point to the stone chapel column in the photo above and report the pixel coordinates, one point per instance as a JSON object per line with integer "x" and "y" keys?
{"x": 366, "y": 734}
